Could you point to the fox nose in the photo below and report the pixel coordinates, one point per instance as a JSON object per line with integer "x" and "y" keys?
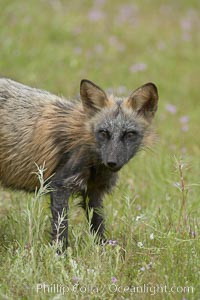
{"x": 112, "y": 164}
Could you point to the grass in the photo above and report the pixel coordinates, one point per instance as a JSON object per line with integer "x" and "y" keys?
{"x": 153, "y": 214}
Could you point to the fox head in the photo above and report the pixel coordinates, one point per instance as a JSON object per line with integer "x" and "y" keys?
{"x": 120, "y": 127}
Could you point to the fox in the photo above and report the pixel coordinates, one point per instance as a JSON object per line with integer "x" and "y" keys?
{"x": 83, "y": 143}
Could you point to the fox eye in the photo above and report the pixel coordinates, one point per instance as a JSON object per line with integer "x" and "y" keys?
{"x": 103, "y": 134}
{"x": 130, "y": 134}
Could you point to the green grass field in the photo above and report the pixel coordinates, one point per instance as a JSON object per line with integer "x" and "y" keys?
{"x": 153, "y": 216}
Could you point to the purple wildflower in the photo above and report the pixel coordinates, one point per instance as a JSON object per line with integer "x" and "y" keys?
{"x": 183, "y": 150}
{"x": 114, "y": 279}
{"x": 193, "y": 234}
{"x": 138, "y": 67}
{"x": 184, "y": 119}
{"x": 75, "y": 279}
{"x": 96, "y": 15}
{"x": 171, "y": 108}
{"x": 126, "y": 13}
{"x": 77, "y": 50}
{"x": 114, "y": 42}
{"x": 112, "y": 242}
{"x": 186, "y": 24}
{"x": 161, "y": 45}
{"x": 185, "y": 128}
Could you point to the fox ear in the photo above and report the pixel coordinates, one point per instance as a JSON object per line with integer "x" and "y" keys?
{"x": 144, "y": 100}
{"x": 92, "y": 96}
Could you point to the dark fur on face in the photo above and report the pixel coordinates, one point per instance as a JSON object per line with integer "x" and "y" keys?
{"x": 118, "y": 138}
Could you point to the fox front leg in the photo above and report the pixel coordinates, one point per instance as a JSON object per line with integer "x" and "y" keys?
{"x": 59, "y": 202}
{"x": 59, "y": 209}
{"x": 92, "y": 200}
{"x": 100, "y": 183}
{"x": 68, "y": 179}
